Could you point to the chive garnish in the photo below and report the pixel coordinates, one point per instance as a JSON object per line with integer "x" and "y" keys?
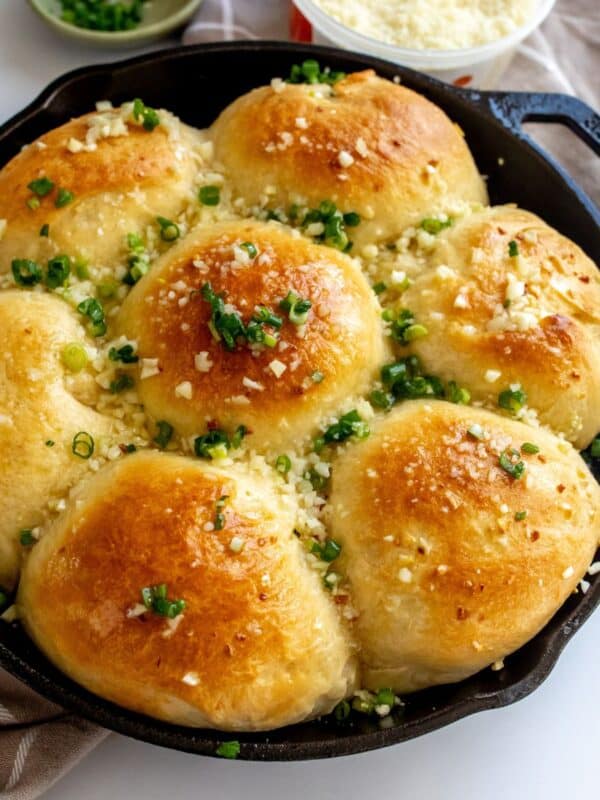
{"x": 41, "y": 186}
{"x": 209, "y": 195}
{"x": 126, "y": 354}
{"x": 63, "y": 198}
{"x": 509, "y": 462}
{"x": 59, "y": 269}
{"x": 169, "y": 231}
{"x": 229, "y": 749}
{"x": 26, "y": 272}
{"x": 155, "y": 599}
{"x": 148, "y": 116}
{"x": 83, "y": 445}
{"x": 164, "y": 434}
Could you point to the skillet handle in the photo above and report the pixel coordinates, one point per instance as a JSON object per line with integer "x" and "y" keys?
{"x": 512, "y": 109}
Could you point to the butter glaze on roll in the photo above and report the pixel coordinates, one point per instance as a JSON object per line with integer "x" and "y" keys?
{"x": 36, "y": 407}
{"x": 494, "y": 320}
{"x": 272, "y": 391}
{"x": 121, "y": 176}
{"x": 445, "y": 579}
{"x": 369, "y": 145}
{"x": 258, "y": 645}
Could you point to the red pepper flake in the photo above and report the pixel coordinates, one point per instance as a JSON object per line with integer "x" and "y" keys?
{"x": 461, "y": 613}
{"x": 535, "y": 535}
{"x": 463, "y": 80}
{"x": 262, "y": 596}
{"x": 584, "y": 278}
{"x": 560, "y": 488}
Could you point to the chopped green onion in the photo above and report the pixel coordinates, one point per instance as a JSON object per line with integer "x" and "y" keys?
{"x": 404, "y": 329}
{"x": 595, "y": 448}
{"x": 317, "y": 376}
{"x": 63, "y": 198}
{"x": 138, "y": 261}
{"x": 297, "y": 308}
{"x": 45, "y": 230}
{"x": 512, "y": 400}
{"x": 380, "y": 287}
{"x": 147, "y": 115}
{"x": 209, "y": 195}
{"x": 59, "y": 269}
{"x": 385, "y": 697}
{"x": 508, "y": 463}
{"x": 41, "y": 186}
{"x": 49, "y": 443}
{"x": 458, "y": 394}
{"x": 250, "y": 249}
{"x": 216, "y": 443}
{"x": 342, "y": 711}
{"x": 125, "y": 354}
{"x": 266, "y": 317}
{"x": 520, "y": 516}
{"x": 310, "y": 72}
{"x": 328, "y": 550}
{"x": 93, "y": 310}
{"x": 121, "y": 383}
{"x": 169, "y": 231}
{"x": 238, "y": 436}
{"x": 219, "y": 515}
{"x": 26, "y": 538}
{"x": 107, "y": 289}
{"x": 351, "y": 219}
{"x": 33, "y": 203}
{"x": 26, "y": 272}
{"x": 225, "y": 327}
{"x": 229, "y": 749}
{"x": 83, "y": 445}
{"x": 530, "y": 448}
{"x": 102, "y": 15}
{"x": 81, "y": 269}
{"x": 74, "y": 356}
{"x": 333, "y": 223}
{"x": 155, "y": 599}
{"x": 348, "y": 425}
{"x": 513, "y": 249}
{"x": 283, "y": 464}
{"x": 164, "y": 434}
{"x": 434, "y": 226}
{"x": 316, "y": 480}
{"x": 381, "y": 399}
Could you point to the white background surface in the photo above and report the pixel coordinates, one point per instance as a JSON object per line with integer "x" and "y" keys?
{"x": 547, "y": 746}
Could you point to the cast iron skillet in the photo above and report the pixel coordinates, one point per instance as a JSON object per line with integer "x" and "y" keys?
{"x": 197, "y": 83}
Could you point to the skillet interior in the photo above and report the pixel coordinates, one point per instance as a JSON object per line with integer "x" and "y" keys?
{"x": 196, "y": 84}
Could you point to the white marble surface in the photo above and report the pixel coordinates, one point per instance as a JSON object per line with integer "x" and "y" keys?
{"x": 544, "y": 747}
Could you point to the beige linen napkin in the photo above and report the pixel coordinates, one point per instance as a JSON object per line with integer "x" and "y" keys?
{"x": 39, "y": 742}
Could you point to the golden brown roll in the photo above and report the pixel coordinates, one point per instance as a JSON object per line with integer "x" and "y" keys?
{"x": 496, "y": 319}
{"x": 367, "y": 144}
{"x": 39, "y": 416}
{"x": 278, "y": 392}
{"x": 258, "y": 644}
{"x": 121, "y": 177}
{"x": 455, "y": 562}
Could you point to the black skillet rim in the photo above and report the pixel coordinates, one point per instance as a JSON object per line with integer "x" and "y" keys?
{"x": 323, "y": 738}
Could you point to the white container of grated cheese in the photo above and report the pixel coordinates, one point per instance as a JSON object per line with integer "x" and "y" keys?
{"x": 477, "y": 67}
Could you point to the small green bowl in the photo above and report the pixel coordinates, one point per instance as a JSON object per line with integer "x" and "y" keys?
{"x": 160, "y": 18}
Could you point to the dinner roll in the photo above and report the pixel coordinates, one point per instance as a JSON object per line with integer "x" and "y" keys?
{"x": 39, "y": 416}
{"x": 531, "y": 318}
{"x": 280, "y": 392}
{"x": 367, "y": 144}
{"x": 258, "y": 644}
{"x": 453, "y": 562}
{"x": 121, "y": 177}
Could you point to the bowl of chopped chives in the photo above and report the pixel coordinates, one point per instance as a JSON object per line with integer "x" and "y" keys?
{"x": 115, "y": 23}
